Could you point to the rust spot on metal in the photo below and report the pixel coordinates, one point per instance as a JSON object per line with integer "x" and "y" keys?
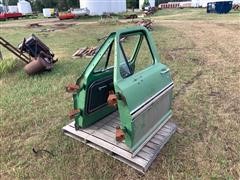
{"x": 119, "y": 134}
{"x": 72, "y": 113}
{"x": 112, "y": 99}
{"x": 72, "y": 88}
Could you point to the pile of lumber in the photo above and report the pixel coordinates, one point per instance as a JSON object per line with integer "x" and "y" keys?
{"x": 86, "y": 52}
{"x": 130, "y": 16}
{"x": 147, "y": 23}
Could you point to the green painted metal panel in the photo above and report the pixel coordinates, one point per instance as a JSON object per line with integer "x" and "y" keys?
{"x": 144, "y": 97}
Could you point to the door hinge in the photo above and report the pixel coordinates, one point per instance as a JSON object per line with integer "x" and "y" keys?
{"x": 121, "y": 97}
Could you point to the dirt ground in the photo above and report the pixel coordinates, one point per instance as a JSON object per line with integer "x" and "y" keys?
{"x": 43, "y": 22}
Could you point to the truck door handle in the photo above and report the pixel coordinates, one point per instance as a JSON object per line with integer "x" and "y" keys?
{"x": 163, "y": 71}
{"x": 102, "y": 87}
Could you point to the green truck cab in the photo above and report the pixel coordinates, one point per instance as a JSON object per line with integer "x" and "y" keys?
{"x": 127, "y": 67}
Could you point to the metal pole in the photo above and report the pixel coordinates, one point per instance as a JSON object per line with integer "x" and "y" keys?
{"x": 1, "y": 57}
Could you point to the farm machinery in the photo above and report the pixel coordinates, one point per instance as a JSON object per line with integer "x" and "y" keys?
{"x": 33, "y": 52}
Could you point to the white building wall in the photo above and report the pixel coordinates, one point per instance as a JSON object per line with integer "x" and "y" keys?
{"x": 24, "y": 7}
{"x": 98, "y": 7}
{"x": 12, "y": 9}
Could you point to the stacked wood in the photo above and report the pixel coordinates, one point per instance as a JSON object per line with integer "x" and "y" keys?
{"x": 85, "y": 52}
{"x": 147, "y": 23}
{"x": 131, "y": 16}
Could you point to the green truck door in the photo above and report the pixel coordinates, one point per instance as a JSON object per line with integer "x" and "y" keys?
{"x": 143, "y": 86}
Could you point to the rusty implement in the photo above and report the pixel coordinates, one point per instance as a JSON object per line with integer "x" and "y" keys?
{"x": 33, "y": 52}
{"x": 15, "y": 51}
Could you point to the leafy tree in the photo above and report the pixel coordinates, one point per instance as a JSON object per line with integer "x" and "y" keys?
{"x": 61, "y": 5}
{"x": 11, "y": 2}
{"x": 132, "y": 4}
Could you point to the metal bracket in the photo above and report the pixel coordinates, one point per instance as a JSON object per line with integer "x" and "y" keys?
{"x": 74, "y": 113}
{"x": 71, "y": 88}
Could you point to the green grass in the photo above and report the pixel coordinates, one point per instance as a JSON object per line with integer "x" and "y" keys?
{"x": 6, "y": 65}
{"x": 195, "y": 14}
{"x": 34, "y": 109}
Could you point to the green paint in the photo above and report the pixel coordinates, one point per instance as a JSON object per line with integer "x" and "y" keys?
{"x": 136, "y": 87}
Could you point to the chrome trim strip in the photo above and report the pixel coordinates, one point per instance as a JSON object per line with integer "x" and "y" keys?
{"x": 150, "y": 101}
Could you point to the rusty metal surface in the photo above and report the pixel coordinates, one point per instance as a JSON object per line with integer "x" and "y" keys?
{"x": 72, "y": 88}
{"x": 35, "y": 47}
{"x": 119, "y": 134}
{"x": 72, "y": 113}
{"x": 34, "y": 67}
{"x": 34, "y": 53}
{"x": 14, "y": 50}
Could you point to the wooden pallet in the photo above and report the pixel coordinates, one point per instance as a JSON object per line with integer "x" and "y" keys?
{"x": 101, "y": 136}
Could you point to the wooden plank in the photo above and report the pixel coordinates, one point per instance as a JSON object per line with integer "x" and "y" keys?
{"x": 169, "y": 125}
{"x": 166, "y": 130}
{"x": 160, "y": 137}
{"x": 88, "y": 130}
{"x": 144, "y": 155}
{"x": 103, "y": 139}
{"x": 81, "y": 134}
{"x": 102, "y": 122}
{"x": 152, "y": 145}
{"x": 116, "y": 156}
{"x": 148, "y": 150}
{"x": 174, "y": 127}
{"x": 156, "y": 140}
{"x": 163, "y": 133}
{"x": 106, "y": 145}
{"x": 110, "y": 140}
{"x": 109, "y": 128}
{"x": 105, "y": 132}
{"x": 113, "y": 124}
